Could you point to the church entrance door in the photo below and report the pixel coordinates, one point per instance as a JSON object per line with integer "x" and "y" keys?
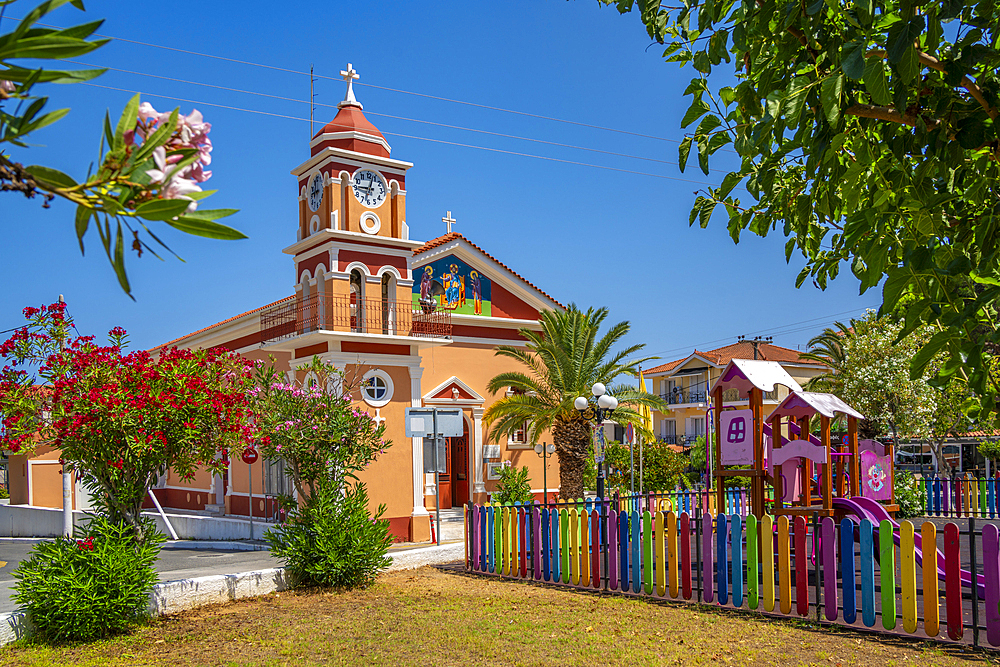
{"x": 444, "y": 478}
{"x": 459, "y": 452}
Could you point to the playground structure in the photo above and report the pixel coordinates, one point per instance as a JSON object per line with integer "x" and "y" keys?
{"x": 806, "y": 473}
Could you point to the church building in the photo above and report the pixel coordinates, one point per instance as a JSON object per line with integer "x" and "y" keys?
{"x": 417, "y": 321}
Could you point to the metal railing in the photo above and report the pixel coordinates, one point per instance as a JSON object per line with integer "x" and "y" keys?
{"x": 684, "y": 396}
{"x": 345, "y": 314}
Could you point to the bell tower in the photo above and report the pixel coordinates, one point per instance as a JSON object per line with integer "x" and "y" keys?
{"x": 352, "y": 239}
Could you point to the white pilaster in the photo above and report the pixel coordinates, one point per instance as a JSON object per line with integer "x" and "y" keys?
{"x": 477, "y": 457}
{"x": 418, "y": 446}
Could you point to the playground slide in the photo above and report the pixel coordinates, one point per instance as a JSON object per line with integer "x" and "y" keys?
{"x": 866, "y": 508}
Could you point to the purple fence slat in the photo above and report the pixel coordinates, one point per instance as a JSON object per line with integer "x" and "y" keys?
{"x": 829, "y": 567}
{"x": 991, "y": 572}
{"x": 536, "y": 542}
{"x": 613, "y": 550}
{"x": 707, "y": 565}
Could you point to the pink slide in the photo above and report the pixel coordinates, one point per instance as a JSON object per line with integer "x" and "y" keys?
{"x": 865, "y": 508}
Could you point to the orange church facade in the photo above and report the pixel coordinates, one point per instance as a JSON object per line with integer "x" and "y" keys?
{"x": 417, "y": 321}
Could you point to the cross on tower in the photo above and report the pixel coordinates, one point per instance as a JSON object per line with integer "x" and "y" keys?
{"x": 349, "y": 75}
{"x": 448, "y": 220}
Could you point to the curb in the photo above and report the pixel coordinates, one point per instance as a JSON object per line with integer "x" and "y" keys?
{"x": 171, "y": 597}
{"x": 221, "y": 545}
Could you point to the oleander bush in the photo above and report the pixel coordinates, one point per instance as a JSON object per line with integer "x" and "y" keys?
{"x": 333, "y": 541}
{"x": 908, "y": 495}
{"x": 514, "y": 486}
{"x": 91, "y": 587}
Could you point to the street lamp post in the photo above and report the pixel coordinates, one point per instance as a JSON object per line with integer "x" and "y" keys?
{"x": 606, "y": 405}
{"x": 545, "y": 451}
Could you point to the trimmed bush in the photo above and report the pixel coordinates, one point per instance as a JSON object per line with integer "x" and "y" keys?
{"x": 514, "y": 486}
{"x": 92, "y": 587}
{"x": 333, "y": 541}
{"x": 908, "y": 495}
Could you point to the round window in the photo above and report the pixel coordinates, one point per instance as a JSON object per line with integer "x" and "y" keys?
{"x": 376, "y": 388}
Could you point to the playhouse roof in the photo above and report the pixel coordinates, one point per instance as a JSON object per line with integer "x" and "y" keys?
{"x": 808, "y": 403}
{"x": 743, "y": 374}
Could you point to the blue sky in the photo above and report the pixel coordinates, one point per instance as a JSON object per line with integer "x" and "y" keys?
{"x": 583, "y": 234}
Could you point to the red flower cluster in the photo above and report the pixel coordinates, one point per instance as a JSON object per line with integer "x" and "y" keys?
{"x": 85, "y": 545}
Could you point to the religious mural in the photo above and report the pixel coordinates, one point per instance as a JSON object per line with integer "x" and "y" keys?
{"x": 449, "y": 283}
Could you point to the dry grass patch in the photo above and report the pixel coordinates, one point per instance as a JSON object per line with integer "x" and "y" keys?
{"x": 427, "y": 617}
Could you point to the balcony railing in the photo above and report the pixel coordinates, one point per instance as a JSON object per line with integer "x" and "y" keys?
{"x": 684, "y": 396}
{"x": 731, "y": 395}
{"x": 345, "y": 314}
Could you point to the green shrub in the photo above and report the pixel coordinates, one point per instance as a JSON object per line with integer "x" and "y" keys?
{"x": 88, "y": 588}
{"x": 514, "y": 486}
{"x": 909, "y": 497}
{"x": 333, "y": 541}
{"x": 4, "y": 493}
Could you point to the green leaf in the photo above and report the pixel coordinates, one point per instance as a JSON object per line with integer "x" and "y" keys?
{"x": 162, "y": 209}
{"x": 682, "y": 153}
{"x": 909, "y": 65}
{"x": 707, "y": 124}
{"x": 731, "y": 180}
{"x": 20, "y": 74}
{"x": 876, "y": 82}
{"x": 795, "y": 99}
{"x": 212, "y": 214}
{"x": 206, "y": 228}
{"x": 126, "y": 123}
{"x": 927, "y": 353}
{"x": 82, "y": 223}
{"x": 829, "y": 96}
{"x": 902, "y": 36}
{"x": 694, "y": 112}
{"x": 119, "y": 261}
{"x": 852, "y": 61}
{"x": 51, "y": 177}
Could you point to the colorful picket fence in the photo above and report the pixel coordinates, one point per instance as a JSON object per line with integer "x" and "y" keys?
{"x": 844, "y": 572}
{"x": 960, "y": 496}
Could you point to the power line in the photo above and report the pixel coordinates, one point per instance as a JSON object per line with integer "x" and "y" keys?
{"x": 410, "y": 136}
{"x": 371, "y": 85}
{"x": 384, "y": 115}
{"x": 779, "y": 330}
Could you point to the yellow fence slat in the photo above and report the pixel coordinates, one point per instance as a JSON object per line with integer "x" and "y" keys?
{"x": 931, "y": 598}
{"x": 672, "y": 552}
{"x": 767, "y": 566}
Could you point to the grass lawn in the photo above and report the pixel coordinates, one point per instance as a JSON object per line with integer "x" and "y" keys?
{"x": 427, "y": 617}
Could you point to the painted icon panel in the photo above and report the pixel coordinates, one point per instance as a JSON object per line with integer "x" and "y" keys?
{"x": 449, "y": 283}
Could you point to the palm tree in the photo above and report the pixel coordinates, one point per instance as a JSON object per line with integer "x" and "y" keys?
{"x": 563, "y": 361}
{"x": 828, "y": 348}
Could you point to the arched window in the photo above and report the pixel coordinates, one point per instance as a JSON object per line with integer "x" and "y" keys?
{"x": 357, "y": 301}
{"x": 388, "y": 303}
{"x": 376, "y": 388}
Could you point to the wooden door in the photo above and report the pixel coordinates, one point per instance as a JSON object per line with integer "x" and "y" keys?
{"x": 444, "y": 478}
{"x": 459, "y": 448}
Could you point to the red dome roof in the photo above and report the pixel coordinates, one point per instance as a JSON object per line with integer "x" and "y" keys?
{"x": 350, "y": 119}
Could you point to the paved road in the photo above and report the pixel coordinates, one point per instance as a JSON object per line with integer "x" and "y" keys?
{"x": 173, "y": 564}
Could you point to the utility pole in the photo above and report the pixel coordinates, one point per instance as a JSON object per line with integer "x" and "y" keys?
{"x": 67, "y": 477}
{"x": 756, "y": 341}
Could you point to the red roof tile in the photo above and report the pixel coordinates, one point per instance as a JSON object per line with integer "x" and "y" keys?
{"x": 742, "y": 350}
{"x": 448, "y": 238}
{"x": 226, "y": 321}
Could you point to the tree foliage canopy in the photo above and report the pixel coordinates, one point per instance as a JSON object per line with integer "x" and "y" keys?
{"x": 866, "y": 135}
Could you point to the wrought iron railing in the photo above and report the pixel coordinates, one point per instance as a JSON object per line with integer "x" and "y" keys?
{"x": 345, "y": 314}
{"x": 684, "y": 396}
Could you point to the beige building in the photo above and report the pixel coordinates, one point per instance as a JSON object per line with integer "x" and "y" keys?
{"x": 685, "y": 383}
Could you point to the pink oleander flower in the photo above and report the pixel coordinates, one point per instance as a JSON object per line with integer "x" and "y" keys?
{"x": 172, "y": 184}
{"x": 191, "y": 133}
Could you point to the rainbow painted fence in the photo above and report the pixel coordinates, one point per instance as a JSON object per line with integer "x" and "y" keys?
{"x": 853, "y": 572}
{"x": 961, "y": 496}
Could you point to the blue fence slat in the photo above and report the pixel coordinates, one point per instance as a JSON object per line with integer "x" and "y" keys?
{"x": 624, "y": 571}
{"x": 847, "y": 570}
{"x": 556, "y": 546}
{"x": 722, "y": 559}
{"x": 991, "y": 496}
{"x": 867, "y": 574}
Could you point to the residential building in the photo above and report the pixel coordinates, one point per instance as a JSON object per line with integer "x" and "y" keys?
{"x": 685, "y": 383}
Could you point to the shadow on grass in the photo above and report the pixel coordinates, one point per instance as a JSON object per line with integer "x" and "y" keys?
{"x": 882, "y": 638}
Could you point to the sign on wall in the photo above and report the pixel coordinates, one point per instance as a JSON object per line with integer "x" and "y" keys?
{"x": 736, "y": 436}
{"x": 451, "y": 284}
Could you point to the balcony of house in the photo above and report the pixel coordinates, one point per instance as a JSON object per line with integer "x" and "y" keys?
{"x": 683, "y": 440}
{"x": 734, "y": 396}
{"x": 321, "y": 316}
{"x": 681, "y": 396}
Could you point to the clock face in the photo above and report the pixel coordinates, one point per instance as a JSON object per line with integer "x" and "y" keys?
{"x": 316, "y": 192}
{"x": 368, "y": 188}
